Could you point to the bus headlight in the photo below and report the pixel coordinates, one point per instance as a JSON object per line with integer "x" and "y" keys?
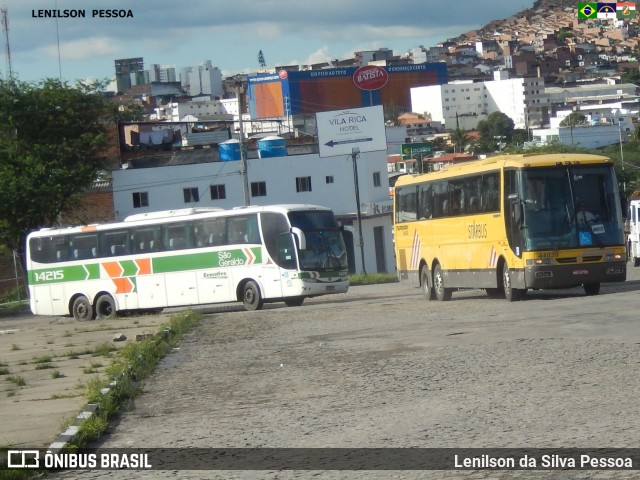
{"x": 533, "y": 262}
{"x": 614, "y": 258}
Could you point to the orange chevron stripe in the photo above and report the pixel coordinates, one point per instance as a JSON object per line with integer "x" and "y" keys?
{"x": 113, "y": 269}
{"x": 123, "y": 285}
{"x": 144, "y": 266}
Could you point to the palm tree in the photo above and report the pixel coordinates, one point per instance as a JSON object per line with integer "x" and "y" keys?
{"x": 460, "y": 139}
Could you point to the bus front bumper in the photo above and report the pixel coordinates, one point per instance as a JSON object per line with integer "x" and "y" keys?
{"x": 565, "y": 276}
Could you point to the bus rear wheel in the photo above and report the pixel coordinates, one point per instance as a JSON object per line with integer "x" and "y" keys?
{"x": 510, "y": 293}
{"x": 442, "y": 293}
{"x": 82, "y": 309}
{"x": 105, "y": 307}
{"x": 427, "y": 290}
{"x": 251, "y": 298}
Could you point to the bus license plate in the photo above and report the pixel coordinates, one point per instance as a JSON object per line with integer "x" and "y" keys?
{"x": 331, "y": 288}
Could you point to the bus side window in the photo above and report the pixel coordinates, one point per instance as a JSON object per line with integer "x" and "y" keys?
{"x": 175, "y": 236}
{"x": 114, "y": 242}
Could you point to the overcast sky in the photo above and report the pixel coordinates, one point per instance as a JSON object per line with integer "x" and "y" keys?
{"x": 229, "y": 33}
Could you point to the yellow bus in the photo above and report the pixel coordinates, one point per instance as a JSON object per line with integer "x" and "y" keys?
{"x": 511, "y": 223}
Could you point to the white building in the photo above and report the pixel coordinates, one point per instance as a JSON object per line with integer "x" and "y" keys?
{"x": 604, "y": 127}
{"x": 160, "y": 73}
{"x": 587, "y": 136}
{"x": 464, "y": 103}
{"x": 327, "y": 181}
{"x": 204, "y": 79}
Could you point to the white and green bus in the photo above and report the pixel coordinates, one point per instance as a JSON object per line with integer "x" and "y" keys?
{"x": 187, "y": 257}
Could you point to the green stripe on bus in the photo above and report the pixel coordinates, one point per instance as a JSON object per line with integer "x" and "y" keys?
{"x": 64, "y": 274}
{"x": 129, "y": 268}
{"x": 225, "y": 258}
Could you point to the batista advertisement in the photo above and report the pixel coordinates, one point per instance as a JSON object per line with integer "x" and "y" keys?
{"x": 311, "y": 91}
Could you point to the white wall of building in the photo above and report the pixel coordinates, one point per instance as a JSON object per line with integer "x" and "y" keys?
{"x": 205, "y": 79}
{"x": 582, "y": 136}
{"x": 518, "y": 98}
{"x": 428, "y": 100}
{"x": 165, "y": 186}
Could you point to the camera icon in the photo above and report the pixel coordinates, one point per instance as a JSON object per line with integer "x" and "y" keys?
{"x": 23, "y": 459}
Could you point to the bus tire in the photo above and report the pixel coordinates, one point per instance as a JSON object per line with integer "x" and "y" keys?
{"x": 251, "y": 298}
{"x": 591, "y": 288}
{"x": 442, "y": 294}
{"x": 105, "y": 307}
{"x": 510, "y": 293}
{"x": 294, "y": 301}
{"x": 82, "y": 309}
{"x": 427, "y": 290}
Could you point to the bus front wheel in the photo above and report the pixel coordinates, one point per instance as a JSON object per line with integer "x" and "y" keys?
{"x": 510, "y": 293}
{"x": 82, "y": 309}
{"x": 294, "y": 301}
{"x": 251, "y": 297}
{"x": 442, "y": 293}
{"x": 591, "y": 288}
{"x": 105, "y": 307}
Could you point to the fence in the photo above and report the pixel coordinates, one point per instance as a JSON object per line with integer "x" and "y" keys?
{"x": 11, "y": 275}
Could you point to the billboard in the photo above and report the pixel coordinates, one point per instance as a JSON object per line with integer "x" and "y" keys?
{"x": 312, "y": 91}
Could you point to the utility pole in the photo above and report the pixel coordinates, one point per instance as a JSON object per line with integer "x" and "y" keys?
{"x": 243, "y": 152}
{"x": 5, "y": 28}
{"x": 355, "y": 153}
{"x": 624, "y": 183}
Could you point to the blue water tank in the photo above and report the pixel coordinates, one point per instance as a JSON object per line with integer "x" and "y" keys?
{"x": 273, "y": 146}
{"x": 229, "y": 150}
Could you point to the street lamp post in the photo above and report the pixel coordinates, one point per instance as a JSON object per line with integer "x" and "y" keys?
{"x": 355, "y": 153}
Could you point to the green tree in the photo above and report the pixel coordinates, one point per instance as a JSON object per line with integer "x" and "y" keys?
{"x": 51, "y": 138}
{"x": 563, "y": 34}
{"x": 261, "y": 60}
{"x": 497, "y": 128}
{"x": 574, "y": 119}
{"x": 631, "y": 76}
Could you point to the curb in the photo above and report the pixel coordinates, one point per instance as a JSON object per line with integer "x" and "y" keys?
{"x": 71, "y": 433}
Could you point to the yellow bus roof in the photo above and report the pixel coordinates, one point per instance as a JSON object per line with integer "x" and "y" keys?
{"x": 502, "y": 161}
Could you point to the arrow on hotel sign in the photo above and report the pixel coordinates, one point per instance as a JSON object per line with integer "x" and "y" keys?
{"x": 333, "y": 143}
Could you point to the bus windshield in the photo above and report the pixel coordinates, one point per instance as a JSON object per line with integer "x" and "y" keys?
{"x": 571, "y": 207}
{"x": 325, "y": 249}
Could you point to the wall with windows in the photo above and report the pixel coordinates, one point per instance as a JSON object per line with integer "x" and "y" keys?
{"x": 521, "y": 99}
{"x": 307, "y": 179}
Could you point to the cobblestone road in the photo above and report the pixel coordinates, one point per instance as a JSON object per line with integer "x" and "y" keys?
{"x": 381, "y": 367}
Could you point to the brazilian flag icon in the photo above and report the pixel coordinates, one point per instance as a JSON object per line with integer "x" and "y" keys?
{"x": 587, "y": 10}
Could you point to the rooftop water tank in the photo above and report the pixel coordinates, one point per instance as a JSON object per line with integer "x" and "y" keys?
{"x": 273, "y": 146}
{"x": 229, "y": 150}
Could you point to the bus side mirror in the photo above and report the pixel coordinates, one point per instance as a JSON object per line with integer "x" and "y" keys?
{"x": 347, "y": 228}
{"x": 302, "y": 240}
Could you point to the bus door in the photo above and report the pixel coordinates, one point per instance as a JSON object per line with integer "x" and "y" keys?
{"x": 513, "y": 211}
{"x": 181, "y": 283}
{"x": 278, "y": 243}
